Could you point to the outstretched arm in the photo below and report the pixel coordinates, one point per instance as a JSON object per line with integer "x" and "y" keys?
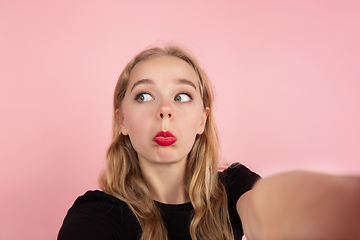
{"x": 302, "y": 205}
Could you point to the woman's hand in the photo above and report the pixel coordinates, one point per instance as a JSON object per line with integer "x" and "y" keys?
{"x": 302, "y": 205}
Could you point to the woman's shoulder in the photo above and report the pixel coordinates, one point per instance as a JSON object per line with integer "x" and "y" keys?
{"x": 238, "y": 171}
{"x": 97, "y": 214}
{"x": 99, "y": 202}
{"x": 95, "y": 197}
{"x": 237, "y": 180}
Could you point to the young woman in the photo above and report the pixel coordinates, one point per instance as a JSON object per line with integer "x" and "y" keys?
{"x": 161, "y": 179}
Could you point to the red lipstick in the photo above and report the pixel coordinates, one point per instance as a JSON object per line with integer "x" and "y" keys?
{"x": 164, "y": 138}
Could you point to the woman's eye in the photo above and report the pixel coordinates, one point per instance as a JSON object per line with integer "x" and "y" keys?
{"x": 143, "y": 97}
{"x": 182, "y": 97}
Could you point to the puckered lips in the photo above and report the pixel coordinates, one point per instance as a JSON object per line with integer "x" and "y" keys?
{"x": 164, "y": 138}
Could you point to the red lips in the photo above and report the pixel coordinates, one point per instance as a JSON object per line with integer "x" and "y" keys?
{"x": 164, "y": 138}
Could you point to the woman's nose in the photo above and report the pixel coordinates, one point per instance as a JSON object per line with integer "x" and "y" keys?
{"x": 165, "y": 110}
{"x": 162, "y": 115}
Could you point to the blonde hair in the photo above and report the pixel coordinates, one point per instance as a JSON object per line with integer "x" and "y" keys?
{"x": 123, "y": 179}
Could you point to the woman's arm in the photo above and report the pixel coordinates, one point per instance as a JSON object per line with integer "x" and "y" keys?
{"x": 302, "y": 205}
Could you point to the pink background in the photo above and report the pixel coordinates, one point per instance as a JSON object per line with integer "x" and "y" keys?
{"x": 286, "y": 74}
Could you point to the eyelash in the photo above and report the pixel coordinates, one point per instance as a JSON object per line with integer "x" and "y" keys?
{"x": 139, "y": 95}
{"x": 187, "y": 94}
{"x": 142, "y": 93}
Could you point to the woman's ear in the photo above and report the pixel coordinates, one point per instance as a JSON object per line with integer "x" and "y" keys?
{"x": 119, "y": 116}
{"x": 203, "y": 120}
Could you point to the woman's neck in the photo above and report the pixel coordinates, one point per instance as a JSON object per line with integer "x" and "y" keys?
{"x": 166, "y": 181}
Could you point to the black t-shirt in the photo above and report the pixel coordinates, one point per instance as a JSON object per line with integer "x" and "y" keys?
{"x": 97, "y": 215}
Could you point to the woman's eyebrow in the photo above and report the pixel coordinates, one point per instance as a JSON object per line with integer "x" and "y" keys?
{"x": 142, "y": 81}
{"x": 178, "y": 81}
{"x": 185, "y": 81}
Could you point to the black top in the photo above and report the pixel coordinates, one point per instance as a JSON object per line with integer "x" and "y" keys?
{"x": 97, "y": 215}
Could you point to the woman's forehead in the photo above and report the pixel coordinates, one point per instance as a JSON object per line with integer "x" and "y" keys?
{"x": 164, "y": 67}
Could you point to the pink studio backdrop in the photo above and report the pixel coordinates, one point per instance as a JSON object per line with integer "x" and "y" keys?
{"x": 286, "y": 75}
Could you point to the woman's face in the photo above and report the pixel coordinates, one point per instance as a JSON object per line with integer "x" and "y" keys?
{"x": 162, "y": 111}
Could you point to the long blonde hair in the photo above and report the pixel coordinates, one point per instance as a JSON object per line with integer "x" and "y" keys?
{"x": 123, "y": 179}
